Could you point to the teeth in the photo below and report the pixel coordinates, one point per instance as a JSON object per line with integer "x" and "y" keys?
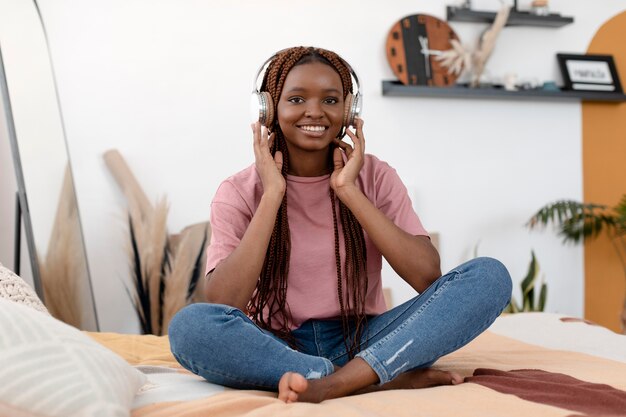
{"x": 313, "y": 128}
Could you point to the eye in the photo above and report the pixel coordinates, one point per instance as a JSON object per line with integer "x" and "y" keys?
{"x": 331, "y": 100}
{"x": 296, "y": 100}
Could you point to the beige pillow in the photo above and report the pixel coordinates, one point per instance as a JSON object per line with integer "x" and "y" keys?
{"x": 16, "y": 289}
{"x": 50, "y": 368}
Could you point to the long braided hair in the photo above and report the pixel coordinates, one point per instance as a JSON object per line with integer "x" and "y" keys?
{"x": 270, "y": 295}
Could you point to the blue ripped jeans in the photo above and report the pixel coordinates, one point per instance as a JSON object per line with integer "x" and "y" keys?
{"x": 225, "y": 347}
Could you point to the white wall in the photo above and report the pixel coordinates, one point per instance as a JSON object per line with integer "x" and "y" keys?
{"x": 168, "y": 83}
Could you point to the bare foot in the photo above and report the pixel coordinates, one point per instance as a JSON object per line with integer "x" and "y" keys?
{"x": 423, "y": 378}
{"x": 294, "y": 387}
{"x": 291, "y": 386}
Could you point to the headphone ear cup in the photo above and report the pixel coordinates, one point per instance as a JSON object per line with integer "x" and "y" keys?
{"x": 262, "y": 108}
{"x": 348, "y": 114}
{"x": 266, "y": 115}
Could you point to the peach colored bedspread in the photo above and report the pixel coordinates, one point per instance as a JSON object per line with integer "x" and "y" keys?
{"x": 584, "y": 385}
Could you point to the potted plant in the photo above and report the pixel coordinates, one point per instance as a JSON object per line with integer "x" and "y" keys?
{"x": 579, "y": 222}
{"x": 534, "y": 291}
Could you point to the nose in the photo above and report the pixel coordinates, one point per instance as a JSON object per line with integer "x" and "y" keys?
{"x": 313, "y": 110}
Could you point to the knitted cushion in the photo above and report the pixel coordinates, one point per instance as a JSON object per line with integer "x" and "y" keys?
{"x": 16, "y": 289}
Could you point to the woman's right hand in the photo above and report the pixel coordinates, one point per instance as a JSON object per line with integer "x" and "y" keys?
{"x": 268, "y": 167}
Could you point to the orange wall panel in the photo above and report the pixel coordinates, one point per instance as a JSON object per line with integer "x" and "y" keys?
{"x": 604, "y": 182}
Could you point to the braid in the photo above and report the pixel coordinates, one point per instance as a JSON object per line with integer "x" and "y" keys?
{"x": 270, "y": 295}
{"x": 356, "y": 276}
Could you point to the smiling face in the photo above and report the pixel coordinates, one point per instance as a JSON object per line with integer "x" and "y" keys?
{"x": 310, "y": 108}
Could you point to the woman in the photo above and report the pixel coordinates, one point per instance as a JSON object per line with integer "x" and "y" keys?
{"x": 290, "y": 311}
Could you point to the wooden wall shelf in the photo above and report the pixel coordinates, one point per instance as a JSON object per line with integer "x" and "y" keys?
{"x": 516, "y": 18}
{"x": 397, "y": 89}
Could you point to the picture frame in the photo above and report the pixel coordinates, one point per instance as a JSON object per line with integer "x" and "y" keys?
{"x": 589, "y": 72}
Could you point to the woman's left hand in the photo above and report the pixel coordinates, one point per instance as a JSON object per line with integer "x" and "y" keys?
{"x": 345, "y": 174}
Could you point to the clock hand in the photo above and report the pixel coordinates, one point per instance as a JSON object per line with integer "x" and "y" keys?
{"x": 424, "y": 43}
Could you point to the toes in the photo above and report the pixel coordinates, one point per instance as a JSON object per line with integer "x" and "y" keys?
{"x": 283, "y": 387}
{"x": 297, "y": 382}
{"x": 445, "y": 378}
{"x": 292, "y": 397}
{"x": 448, "y": 378}
{"x": 291, "y": 384}
{"x": 456, "y": 378}
{"x": 436, "y": 377}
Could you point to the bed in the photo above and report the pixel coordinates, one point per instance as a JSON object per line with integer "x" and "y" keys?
{"x": 525, "y": 364}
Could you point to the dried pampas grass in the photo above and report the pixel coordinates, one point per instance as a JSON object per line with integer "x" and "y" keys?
{"x": 149, "y": 255}
{"x": 63, "y": 269}
{"x": 165, "y": 269}
{"x": 186, "y": 269}
{"x": 154, "y": 251}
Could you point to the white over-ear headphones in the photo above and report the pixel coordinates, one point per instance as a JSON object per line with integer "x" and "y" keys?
{"x": 262, "y": 106}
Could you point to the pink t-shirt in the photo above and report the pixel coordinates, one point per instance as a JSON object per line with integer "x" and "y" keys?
{"x": 312, "y": 288}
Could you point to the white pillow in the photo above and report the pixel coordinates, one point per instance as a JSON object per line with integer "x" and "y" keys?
{"x": 50, "y": 368}
{"x": 16, "y": 289}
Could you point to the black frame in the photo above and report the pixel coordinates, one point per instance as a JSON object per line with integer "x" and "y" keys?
{"x": 589, "y": 86}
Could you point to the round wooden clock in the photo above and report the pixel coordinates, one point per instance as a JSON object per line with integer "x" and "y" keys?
{"x": 412, "y": 45}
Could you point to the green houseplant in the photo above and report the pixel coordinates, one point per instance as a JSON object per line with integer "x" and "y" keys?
{"x": 532, "y": 300}
{"x": 579, "y": 222}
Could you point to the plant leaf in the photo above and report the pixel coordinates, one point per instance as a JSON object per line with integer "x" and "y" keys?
{"x": 577, "y": 221}
{"x": 543, "y": 295}
{"x": 198, "y": 267}
{"x": 142, "y": 293}
{"x": 527, "y": 282}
